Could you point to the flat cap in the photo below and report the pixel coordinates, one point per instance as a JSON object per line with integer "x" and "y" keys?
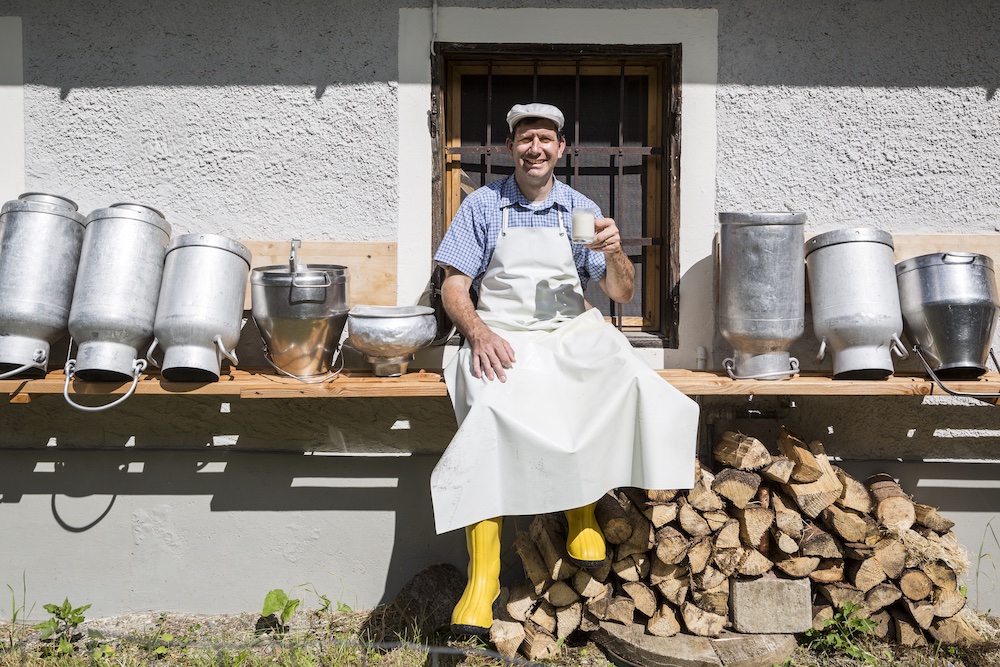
{"x": 519, "y": 112}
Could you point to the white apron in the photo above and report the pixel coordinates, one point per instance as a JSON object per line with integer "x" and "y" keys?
{"x": 580, "y": 412}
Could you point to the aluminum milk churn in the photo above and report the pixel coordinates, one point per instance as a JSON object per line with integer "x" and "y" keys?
{"x": 40, "y": 238}
{"x": 855, "y": 304}
{"x": 950, "y": 305}
{"x": 761, "y": 291}
{"x": 200, "y": 308}
{"x": 117, "y": 284}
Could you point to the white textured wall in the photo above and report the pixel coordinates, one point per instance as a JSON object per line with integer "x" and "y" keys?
{"x": 290, "y": 119}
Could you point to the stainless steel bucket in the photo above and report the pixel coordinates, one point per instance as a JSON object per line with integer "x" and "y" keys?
{"x": 300, "y": 310}
{"x": 950, "y": 305}
{"x": 761, "y": 291}
{"x": 117, "y": 284}
{"x": 855, "y": 303}
{"x": 200, "y": 308}
{"x": 40, "y": 239}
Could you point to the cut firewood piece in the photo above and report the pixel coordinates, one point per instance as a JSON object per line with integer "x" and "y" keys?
{"x": 858, "y": 550}
{"x": 883, "y": 624}
{"x": 893, "y": 507}
{"x": 597, "y": 606}
{"x": 621, "y": 609}
{"x": 947, "y": 603}
{"x": 890, "y": 553}
{"x": 661, "y": 495}
{"x": 531, "y": 560}
{"x": 955, "y": 630}
{"x": 846, "y": 524}
{"x": 784, "y": 542}
{"x": 907, "y": 632}
{"x": 643, "y": 597}
{"x": 728, "y": 560}
{"x": 671, "y": 545}
{"x": 728, "y": 536}
{"x": 708, "y": 579}
{"x": 673, "y": 581}
{"x": 568, "y": 619}
{"x": 663, "y": 623}
{"x": 715, "y": 601}
{"x": 538, "y": 643}
{"x": 660, "y": 514}
{"x": 737, "y": 486}
{"x": 641, "y": 539}
{"x": 699, "y": 553}
{"x": 586, "y": 584}
{"x": 550, "y": 539}
{"x": 701, "y": 496}
{"x": 881, "y": 596}
{"x": 797, "y": 566}
{"x": 741, "y": 451}
{"x": 817, "y": 542}
{"x": 839, "y": 593}
{"x": 754, "y": 563}
{"x": 754, "y": 523}
{"x": 589, "y": 622}
{"x": 631, "y": 568}
{"x": 691, "y": 522}
{"x": 787, "y": 518}
{"x": 916, "y": 585}
{"x": 928, "y": 516}
{"x": 715, "y": 519}
{"x": 807, "y": 469}
{"x": 865, "y": 574}
{"x": 561, "y": 594}
{"x": 545, "y": 616}
{"x": 922, "y": 612}
{"x": 943, "y": 576}
{"x": 612, "y": 519}
{"x": 701, "y": 622}
{"x": 779, "y": 469}
{"x": 507, "y": 636}
{"x": 854, "y": 495}
{"x": 828, "y": 571}
{"x": 521, "y": 601}
{"x": 814, "y": 497}
{"x": 821, "y": 614}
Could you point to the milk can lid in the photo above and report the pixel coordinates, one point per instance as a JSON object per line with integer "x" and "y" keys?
{"x": 851, "y": 235}
{"x": 39, "y": 202}
{"x": 137, "y": 212}
{"x": 211, "y": 241}
{"x": 967, "y": 259}
{"x": 762, "y": 218}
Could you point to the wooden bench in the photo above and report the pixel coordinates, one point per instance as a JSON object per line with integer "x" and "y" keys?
{"x": 372, "y": 267}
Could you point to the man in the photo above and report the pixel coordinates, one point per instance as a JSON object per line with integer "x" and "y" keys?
{"x": 554, "y": 407}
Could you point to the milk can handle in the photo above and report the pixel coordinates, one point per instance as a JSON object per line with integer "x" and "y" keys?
{"x": 898, "y": 347}
{"x": 37, "y": 361}
{"x": 822, "y": 350}
{"x": 149, "y": 353}
{"x": 326, "y": 283}
{"x": 305, "y": 380}
{"x": 937, "y": 380}
{"x": 217, "y": 339}
{"x": 138, "y": 366}
{"x": 793, "y": 365}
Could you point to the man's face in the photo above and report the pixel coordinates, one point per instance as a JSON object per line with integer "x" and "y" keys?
{"x": 536, "y": 148}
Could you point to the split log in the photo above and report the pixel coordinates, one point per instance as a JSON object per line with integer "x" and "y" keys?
{"x": 691, "y": 522}
{"x": 890, "y": 553}
{"x": 632, "y": 568}
{"x": 661, "y": 495}
{"x": 589, "y": 622}
{"x": 561, "y": 594}
{"x": 701, "y": 622}
{"x": 728, "y": 560}
{"x": 702, "y": 497}
{"x": 829, "y": 570}
{"x": 928, "y": 516}
{"x": 621, "y": 609}
{"x": 715, "y": 601}
{"x": 779, "y": 470}
{"x": 883, "y": 624}
{"x": 806, "y": 469}
{"x": 586, "y": 584}
{"x": 612, "y": 519}
{"x": 550, "y": 539}
{"x": 893, "y": 507}
{"x": 545, "y": 616}
{"x": 839, "y": 593}
{"x": 821, "y": 614}
{"x": 660, "y": 514}
{"x": 641, "y": 539}
{"x": 865, "y": 574}
{"x": 754, "y": 563}
{"x": 754, "y": 523}
{"x": 737, "y": 486}
{"x": 916, "y": 585}
{"x": 922, "y": 612}
{"x": 943, "y": 576}
{"x": 798, "y": 566}
{"x": 858, "y": 550}
{"x": 907, "y": 632}
{"x": 955, "y": 630}
{"x": 672, "y": 581}
{"x": 817, "y": 542}
{"x": 506, "y": 633}
{"x": 568, "y": 619}
{"x": 845, "y": 523}
{"x": 699, "y": 553}
{"x": 663, "y": 623}
{"x": 741, "y": 451}
{"x": 597, "y": 606}
{"x": 786, "y": 517}
{"x": 728, "y": 536}
{"x": 947, "y": 603}
{"x": 814, "y": 497}
{"x": 521, "y": 601}
{"x": 715, "y": 519}
{"x": 855, "y": 494}
{"x": 671, "y": 545}
{"x": 784, "y": 542}
{"x": 708, "y": 579}
{"x": 881, "y": 596}
{"x": 531, "y": 560}
{"x": 642, "y": 596}
{"x": 538, "y": 643}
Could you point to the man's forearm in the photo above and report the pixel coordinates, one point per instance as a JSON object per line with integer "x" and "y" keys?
{"x": 458, "y": 304}
{"x": 619, "y": 281}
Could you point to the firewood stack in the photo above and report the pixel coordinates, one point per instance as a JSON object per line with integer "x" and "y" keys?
{"x": 671, "y": 554}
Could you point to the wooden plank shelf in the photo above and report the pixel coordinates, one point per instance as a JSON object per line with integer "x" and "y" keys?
{"x": 240, "y": 383}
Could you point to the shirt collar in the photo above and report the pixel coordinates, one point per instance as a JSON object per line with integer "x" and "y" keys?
{"x": 510, "y": 194}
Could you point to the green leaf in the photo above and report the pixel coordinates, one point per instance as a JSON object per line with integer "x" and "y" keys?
{"x": 166, "y": 637}
{"x": 51, "y": 608}
{"x": 65, "y": 646}
{"x": 274, "y": 602}
{"x": 288, "y": 610}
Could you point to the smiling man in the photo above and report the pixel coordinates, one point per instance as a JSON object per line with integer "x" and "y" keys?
{"x": 554, "y": 408}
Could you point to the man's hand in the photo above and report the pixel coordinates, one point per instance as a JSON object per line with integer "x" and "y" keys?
{"x": 619, "y": 281}
{"x": 607, "y": 238}
{"x": 491, "y": 354}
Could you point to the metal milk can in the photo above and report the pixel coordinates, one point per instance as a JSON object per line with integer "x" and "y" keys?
{"x": 855, "y": 304}
{"x": 761, "y": 292}
{"x": 117, "y": 284}
{"x": 200, "y": 307}
{"x": 40, "y": 238}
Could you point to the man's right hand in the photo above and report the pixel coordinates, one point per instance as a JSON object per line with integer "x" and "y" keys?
{"x": 491, "y": 354}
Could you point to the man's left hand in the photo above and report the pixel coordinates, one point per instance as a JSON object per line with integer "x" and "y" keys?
{"x": 607, "y": 239}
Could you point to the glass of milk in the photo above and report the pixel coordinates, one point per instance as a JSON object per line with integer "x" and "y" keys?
{"x": 583, "y": 226}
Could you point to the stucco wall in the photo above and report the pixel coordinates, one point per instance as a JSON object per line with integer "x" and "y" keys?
{"x": 272, "y": 121}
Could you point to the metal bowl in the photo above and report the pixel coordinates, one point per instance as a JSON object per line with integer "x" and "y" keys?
{"x": 388, "y": 336}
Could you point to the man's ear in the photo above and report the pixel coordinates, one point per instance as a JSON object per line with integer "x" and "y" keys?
{"x": 510, "y": 146}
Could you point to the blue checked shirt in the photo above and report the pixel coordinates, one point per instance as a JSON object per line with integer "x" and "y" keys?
{"x": 470, "y": 240}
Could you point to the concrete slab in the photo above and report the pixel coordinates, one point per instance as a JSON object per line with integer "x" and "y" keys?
{"x": 630, "y": 645}
{"x": 770, "y": 605}
{"x": 736, "y": 650}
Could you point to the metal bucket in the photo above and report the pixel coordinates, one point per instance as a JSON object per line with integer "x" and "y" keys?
{"x": 117, "y": 284}
{"x": 950, "y": 306}
{"x": 300, "y": 310}
{"x": 855, "y": 303}
{"x": 200, "y": 309}
{"x": 761, "y": 292}
{"x": 40, "y": 238}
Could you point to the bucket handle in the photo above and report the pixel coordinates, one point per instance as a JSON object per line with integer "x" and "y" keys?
{"x": 38, "y": 360}
{"x": 138, "y": 366}
{"x": 231, "y": 355}
{"x": 793, "y": 365}
{"x": 937, "y": 380}
{"x": 305, "y": 380}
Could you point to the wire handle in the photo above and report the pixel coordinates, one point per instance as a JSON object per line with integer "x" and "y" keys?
{"x": 793, "y": 365}
{"x": 937, "y": 380}
{"x": 38, "y": 360}
{"x": 138, "y": 366}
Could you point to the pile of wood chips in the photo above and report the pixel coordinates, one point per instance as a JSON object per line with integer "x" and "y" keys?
{"x": 671, "y": 554}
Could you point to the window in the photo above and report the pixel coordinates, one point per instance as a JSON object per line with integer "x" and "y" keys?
{"x": 621, "y": 106}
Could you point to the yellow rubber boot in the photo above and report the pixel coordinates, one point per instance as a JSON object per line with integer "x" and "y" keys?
{"x": 473, "y": 615}
{"x": 585, "y": 541}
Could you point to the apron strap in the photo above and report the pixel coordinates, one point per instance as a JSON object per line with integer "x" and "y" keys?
{"x": 506, "y": 217}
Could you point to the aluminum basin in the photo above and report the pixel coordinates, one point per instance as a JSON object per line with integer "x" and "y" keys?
{"x": 388, "y": 336}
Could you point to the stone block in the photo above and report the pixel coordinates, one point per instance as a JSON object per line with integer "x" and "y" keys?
{"x": 770, "y": 606}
